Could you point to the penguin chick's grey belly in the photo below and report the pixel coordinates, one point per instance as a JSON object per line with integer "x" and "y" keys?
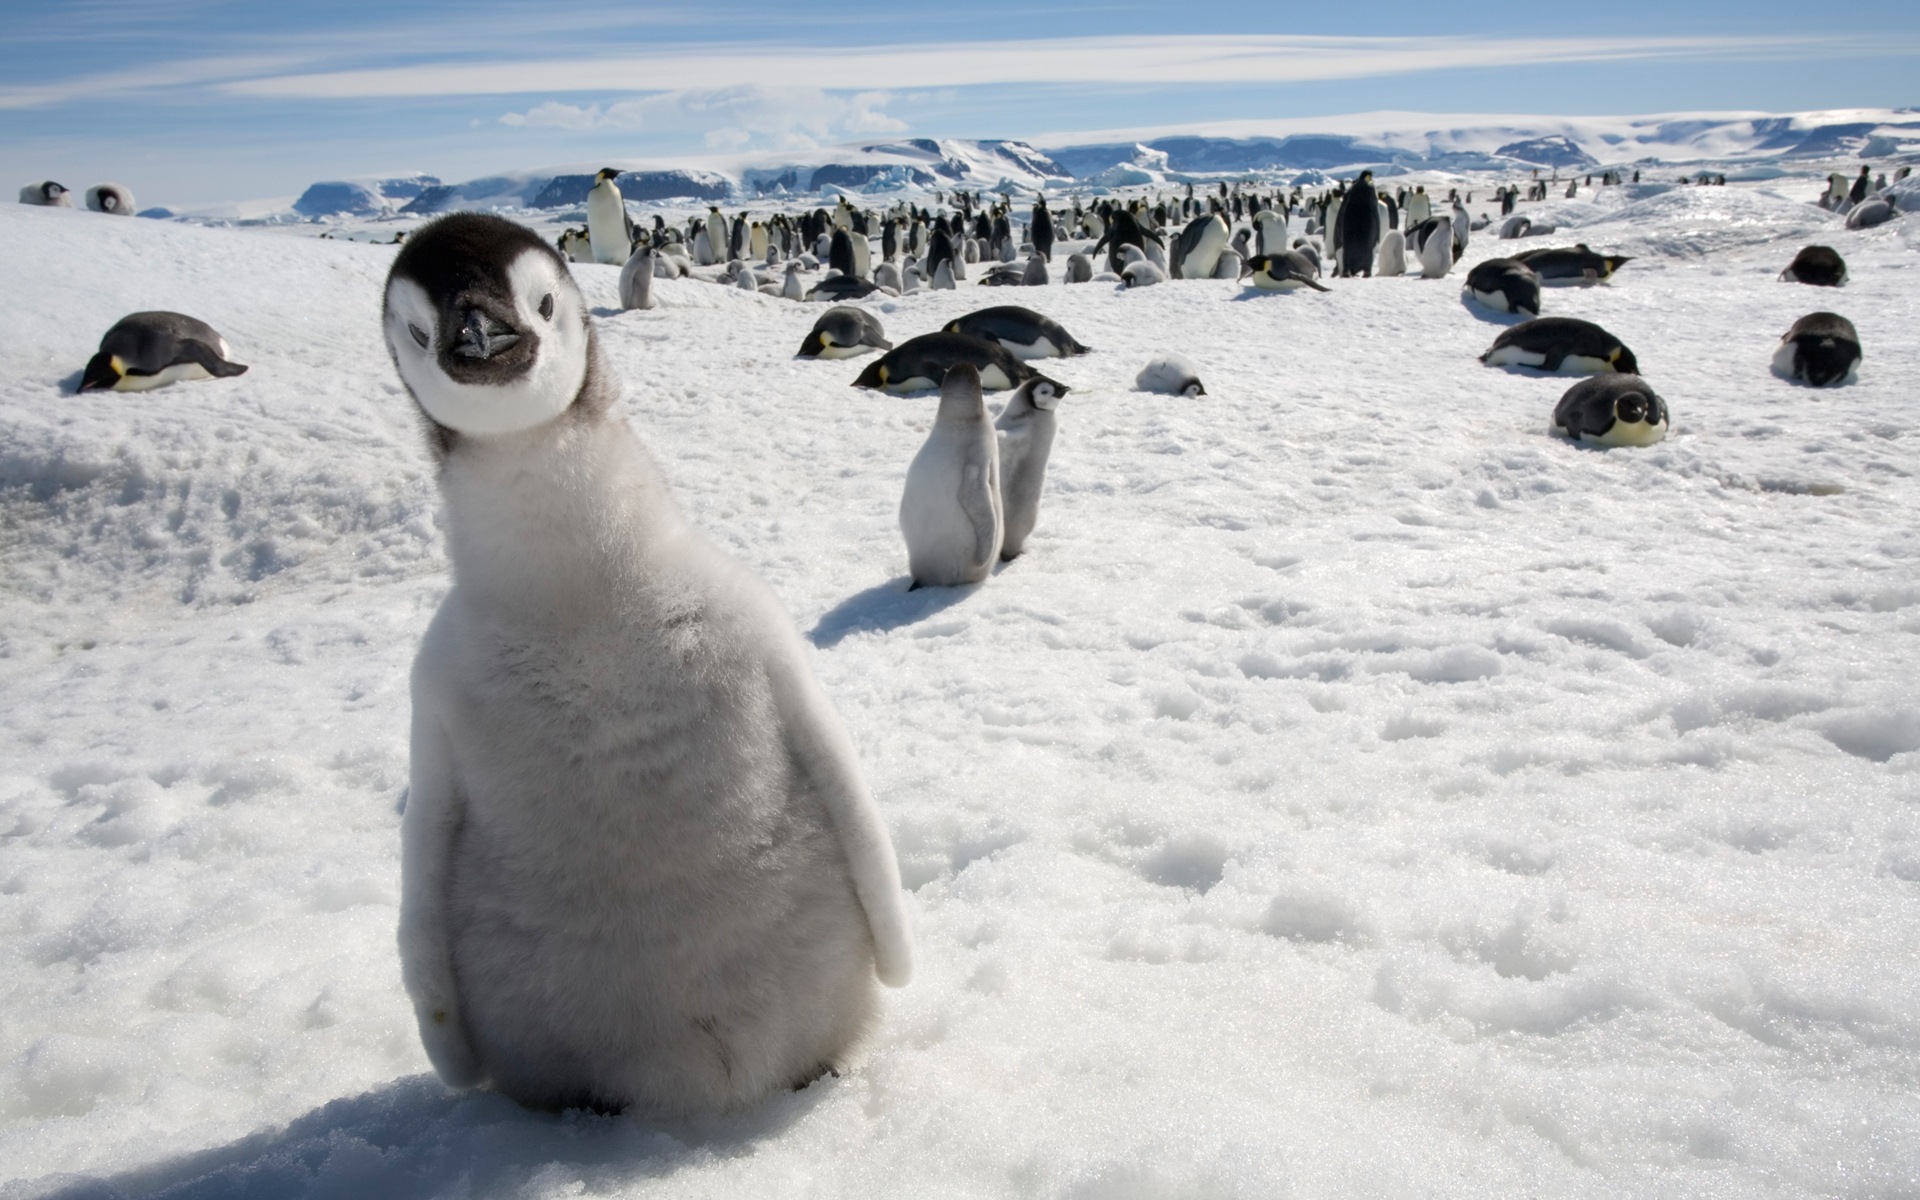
{"x": 647, "y": 903}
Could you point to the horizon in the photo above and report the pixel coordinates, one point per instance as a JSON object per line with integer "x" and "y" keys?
{"x": 229, "y": 106}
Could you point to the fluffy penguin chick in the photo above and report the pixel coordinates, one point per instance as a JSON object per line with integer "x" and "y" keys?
{"x": 950, "y": 512}
{"x": 1171, "y": 375}
{"x": 638, "y": 863}
{"x": 1025, "y": 433}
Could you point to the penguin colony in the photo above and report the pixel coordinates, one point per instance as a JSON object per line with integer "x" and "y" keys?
{"x": 600, "y": 966}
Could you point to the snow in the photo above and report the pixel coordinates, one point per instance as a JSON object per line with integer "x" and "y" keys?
{"x": 1353, "y": 789}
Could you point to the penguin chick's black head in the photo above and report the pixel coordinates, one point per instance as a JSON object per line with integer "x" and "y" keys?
{"x": 485, "y": 324}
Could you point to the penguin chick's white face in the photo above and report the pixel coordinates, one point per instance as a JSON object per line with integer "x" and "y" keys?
{"x": 497, "y": 351}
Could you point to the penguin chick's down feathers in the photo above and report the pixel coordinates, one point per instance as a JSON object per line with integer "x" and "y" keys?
{"x": 950, "y": 511}
{"x": 1170, "y": 375}
{"x": 639, "y": 866}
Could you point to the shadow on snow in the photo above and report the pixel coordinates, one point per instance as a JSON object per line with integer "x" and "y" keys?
{"x": 887, "y": 606}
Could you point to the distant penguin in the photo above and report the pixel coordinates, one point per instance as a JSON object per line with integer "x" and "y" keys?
{"x": 1860, "y": 185}
{"x": 1578, "y": 265}
{"x": 1025, "y": 334}
{"x": 1230, "y": 266}
{"x": 1822, "y": 349}
{"x": 1462, "y": 230}
{"x": 1170, "y": 375}
{"x": 1042, "y": 230}
{"x": 1393, "y": 255}
{"x": 1024, "y": 430}
{"x": 950, "y": 510}
{"x": 640, "y": 869}
{"x": 1272, "y": 228}
{"x": 608, "y": 226}
{"x": 1286, "y": 271}
{"x": 1611, "y": 410}
{"x": 886, "y": 275}
{"x": 841, "y": 287}
{"x": 1035, "y": 272}
{"x": 1419, "y": 206}
{"x": 1504, "y": 286}
{"x": 793, "y": 287}
{"x": 746, "y": 280}
{"x": 146, "y": 350}
{"x": 840, "y": 253}
{"x": 717, "y": 233}
{"x": 1875, "y": 210}
{"x": 574, "y": 245}
{"x": 1515, "y": 227}
{"x": 844, "y": 331}
{"x": 636, "y": 279}
{"x": 1359, "y": 228}
{"x": 1436, "y": 252}
{"x": 110, "y": 198}
{"x": 943, "y": 279}
{"x": 920, "y": 363}
{"x": 1079, "y": 268}
{"x": 1197, "y": 250}
{"x": 46, "y": 194}
{"x": 1142, "y": 274}
{"x": 862, "y": 256}
{"x": 1554, "y": 344}
{"x": 1820, "y": 266}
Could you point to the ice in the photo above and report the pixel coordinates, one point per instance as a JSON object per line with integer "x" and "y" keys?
{"x": 1353, "y": 790}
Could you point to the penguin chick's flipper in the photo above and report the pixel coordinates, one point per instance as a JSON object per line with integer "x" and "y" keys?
{"x": 826, "y": 757}
{"x": 199, "y": 352}
{"x": 976, "y": 502}
{"x": 427, "y": 830}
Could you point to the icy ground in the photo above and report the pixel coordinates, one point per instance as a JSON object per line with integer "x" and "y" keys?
{"x": 1353, "y": 791}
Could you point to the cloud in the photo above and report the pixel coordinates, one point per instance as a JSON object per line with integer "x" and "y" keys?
{"x": 1193, "y": 59}
{"x": 734, "y": 118}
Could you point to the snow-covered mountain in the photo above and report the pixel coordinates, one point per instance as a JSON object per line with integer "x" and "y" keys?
{"x": 1388, "y": 143}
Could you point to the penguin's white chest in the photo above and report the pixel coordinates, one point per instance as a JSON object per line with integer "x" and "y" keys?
{"x": 607, "y": 224}
{"x": 166, "y": 375}
{"x": 1629, "y": 433}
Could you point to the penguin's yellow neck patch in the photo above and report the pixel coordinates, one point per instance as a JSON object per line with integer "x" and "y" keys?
{"x": 883, "y": 374}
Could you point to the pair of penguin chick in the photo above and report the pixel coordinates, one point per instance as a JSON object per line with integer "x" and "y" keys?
{"x": 111, "y": 198}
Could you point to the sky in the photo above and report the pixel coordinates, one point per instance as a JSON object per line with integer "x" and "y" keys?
{"x": 199, "y": 101}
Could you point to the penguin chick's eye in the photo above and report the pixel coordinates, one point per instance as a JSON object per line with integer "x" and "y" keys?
{"x": 419, "y": 335}
{"x": 546, "y": 307}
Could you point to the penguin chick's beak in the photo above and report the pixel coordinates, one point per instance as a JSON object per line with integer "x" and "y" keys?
{"x": 482, "y": 337}
{"x": 101, "y": 374}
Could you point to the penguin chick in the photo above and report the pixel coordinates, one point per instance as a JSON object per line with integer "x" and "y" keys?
{"x": 639, "y": 868}
{"x": 1025, "y": 431}
{"x": 146, "y": 350}
{"x": 950, "y": 513}
{"x": 1170, "y": 375}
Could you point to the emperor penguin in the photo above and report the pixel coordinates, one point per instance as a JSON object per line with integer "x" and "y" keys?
{"x": 1197, "y": 250}
{"x": 1170, "y": 375}
{"x": 1024, "y": 430}
{"x": 1822, "y": 348}
{"x": 950, "y": 511}
{"x": 111, "y": 198}
{"x": 862, "y": 256}
{"x": 639, "y": 866}
{"x": 1504, "y": 286}
{"x": 1271, "y": 226}
{"x": 1230, "y": 266}
{"x": 146, "y": 350}
{"x": 1024, "y": 333}
{"x": 1436, "y": 252}
{"x": 1393, "y": 255}
{"x": 636, "y": 278}
{"x": 1561, "y": 343}
{"x": 608, "y": 226}
{"x": 1359, "y": 225}
{"x": 717, "y": 233}
{"x": 844, "y": 331}
{"x": 1041, "y": 230}
{"x": 1079, "y": 268}
{"x": 1820, "y": 266}
{"x": 1611, "y": 410}
{"x": 887, "y": 275}
{"x": 46, "y": 194}
{"x": 1285, "y": 271}
{"x": 1035, "y": 273}
{"x": 793, "y": 287}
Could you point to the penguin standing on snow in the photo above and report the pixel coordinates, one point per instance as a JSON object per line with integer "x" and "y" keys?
{"x": 146, "y": 350}
{"x": 950, "y": 510}
{"x": 1196, "y": 252}
{"x": 609, "y": 229}
{"x": 1025, "y": 430}
{"x": 1822, "y": 348}
{"x": 1040, "y": 231}
{"x": 639, "y": 867}
{"x": 1359, "y": 224}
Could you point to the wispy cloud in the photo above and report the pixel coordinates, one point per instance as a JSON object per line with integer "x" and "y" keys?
{"x": 1200, "y": 59}
{"x": 785, "y": 118}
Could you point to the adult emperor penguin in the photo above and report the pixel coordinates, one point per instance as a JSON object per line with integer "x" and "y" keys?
{"x": 844, "y": 331}
{"x": 146, "y": 350}
{"x": 1822, "y": 348}
{"x": 1025, "y": 333}
{"x": 1025, "y": 431}
{"x": 1505, "y": 286}
{"x": 1612, "y": 410}
{"x": 1285, "y": 271}
{"x": 1360, "y": 225}
{"x": 717, "y": 237}
{"x": 920, "y": 363}
{"x": 1578, "y": 265}
{"x": 1040, "y": 231}
{"x": 608, "y": 226}
{"x": 639, "y": 867}
{"x": 46, "y": 194}
{"x": 111, "y": 198}
{"x": 636, "y": 278}
{"x": 1271, "y": 226}
{"x": 950, "y": 511}
{"x": 1197, "y": 250}
{"x": 1820, "y": 266}
{"x": 1561, "y": 343}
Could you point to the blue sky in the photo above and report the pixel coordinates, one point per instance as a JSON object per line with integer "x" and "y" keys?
{"x": 193, "y": 102}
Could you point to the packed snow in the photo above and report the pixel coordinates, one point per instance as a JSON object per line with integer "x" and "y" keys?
{"x": 1354, "y": 789}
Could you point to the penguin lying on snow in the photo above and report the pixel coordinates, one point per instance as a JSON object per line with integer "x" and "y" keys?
{"x": 922, "y": 362}
{"x": 1170, "y": 375}
{"x": 1820, "y": 266}
{"x": 1285, "y": 271}
{"x": 1822, "y": 348}
{"x": 1505, "y": 286}
{"x": 111, "y": 198}
{"x": 1612, "y": 410}
{"x": 152, "y": 349}
{"x": 639, "y": 867}
{"x": 841, "y": 287}
{"x": 1556, "y": 343}
{"x": 844, "y": 331}
{"x": 1578, "y": 265}
{"x": 46, "y": 194}
{"x": 1025, "y": 333}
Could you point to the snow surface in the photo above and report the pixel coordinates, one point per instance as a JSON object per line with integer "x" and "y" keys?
{"x": 1354, "y": 790}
